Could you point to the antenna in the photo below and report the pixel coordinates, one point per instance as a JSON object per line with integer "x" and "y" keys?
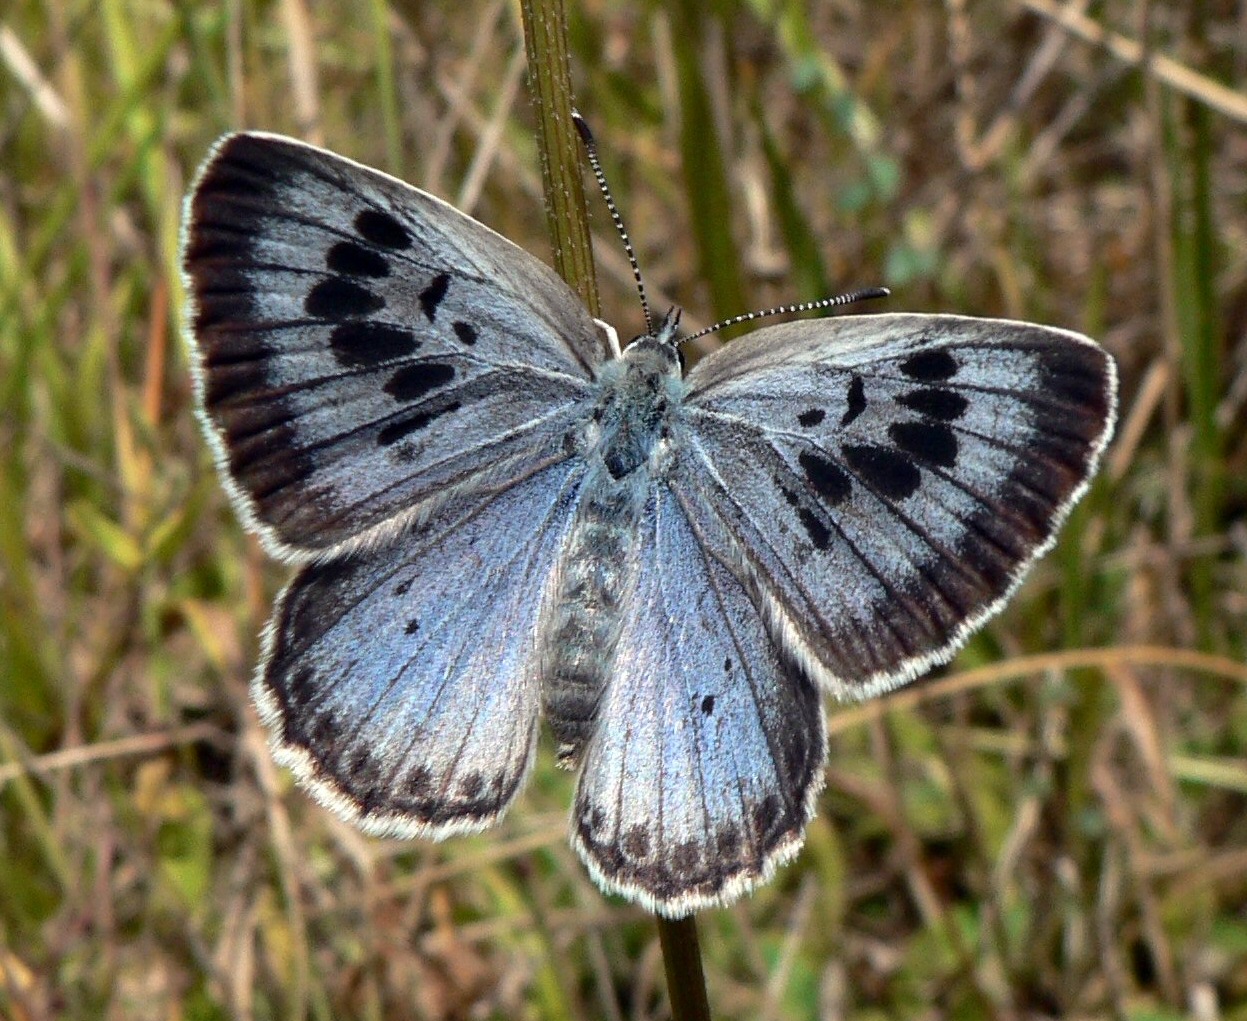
{"x": 805, "y": 306}
{"x": 591, "y": 148}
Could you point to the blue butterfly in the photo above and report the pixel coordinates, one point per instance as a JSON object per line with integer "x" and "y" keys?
{"x": 500, "y": 516}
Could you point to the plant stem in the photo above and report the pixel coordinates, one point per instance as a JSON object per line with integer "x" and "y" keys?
{"x": 550, "y": 86}
{"x": 681, "y": 958}
{"x": 549, "y": 82}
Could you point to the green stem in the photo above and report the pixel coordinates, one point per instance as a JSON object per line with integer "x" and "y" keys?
{"x": 681, "y": 958}
{"x": 549, "y": 81}
{"x": 550, "y": 85}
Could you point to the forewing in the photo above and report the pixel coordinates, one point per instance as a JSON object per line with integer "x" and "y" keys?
{"x": 402, "y": 686}
{"x": 708, "y": 752}
{"x": 362, "y": 346}
{"x": 888, "y": 479}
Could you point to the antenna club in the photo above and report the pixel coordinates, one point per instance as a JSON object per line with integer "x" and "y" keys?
{"x": 582, "y": 128}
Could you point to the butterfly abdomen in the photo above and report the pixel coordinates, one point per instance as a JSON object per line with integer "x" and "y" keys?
{"x": 624, "y": 441}
{"x": 596, "y": 572}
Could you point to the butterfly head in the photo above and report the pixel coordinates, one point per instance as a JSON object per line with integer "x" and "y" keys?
{"x": 662, "y": 345}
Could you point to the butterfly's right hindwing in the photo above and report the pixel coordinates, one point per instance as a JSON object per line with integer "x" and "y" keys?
{"x": 708, "y": 752}
{"x": 403, "y": 685}
{"x": 362, "y": 347}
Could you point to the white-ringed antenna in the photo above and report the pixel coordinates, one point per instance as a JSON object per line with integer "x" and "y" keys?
{"x": 591, "y": 149}
{"x": 671, "y": 320}
{"x": 804, "y": 306}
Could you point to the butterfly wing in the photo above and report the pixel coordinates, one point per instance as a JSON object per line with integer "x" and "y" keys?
{"x": 362, "y": 347}
{"x": 402, "y": 686}
{"x": 708, "y": 751}
{"x": 887, "y": 480}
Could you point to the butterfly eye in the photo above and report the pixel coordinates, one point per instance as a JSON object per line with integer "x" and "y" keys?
{"x": 656, "y": 353}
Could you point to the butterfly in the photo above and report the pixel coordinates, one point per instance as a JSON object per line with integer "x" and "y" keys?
{"x": 499, "y": 517}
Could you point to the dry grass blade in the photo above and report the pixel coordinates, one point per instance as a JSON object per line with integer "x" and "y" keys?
{"x": 1176, "y": 75}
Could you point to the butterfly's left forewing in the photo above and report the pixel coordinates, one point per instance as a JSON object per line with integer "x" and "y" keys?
{"x": 363, "y": 349}
{"x": 885, "y": 481}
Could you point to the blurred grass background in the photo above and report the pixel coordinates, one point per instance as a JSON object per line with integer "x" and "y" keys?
{"x": 1055, "y": 827}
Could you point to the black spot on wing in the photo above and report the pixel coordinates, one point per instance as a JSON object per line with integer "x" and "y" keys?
{"x": 466, "y": 333}
{"x": 300, "y": 689}
{"x": 382, "y": 229}
{"x": 320, "y": 732}
{"x": 930, "y": 441}
{"x": 727, "y": 842}
{"x": 593, "y": 817}
{"x": 812, "y": 417}
{"x": 945, "y": 405}
{"x": 768, "y": 820}
{"x": 828, "y": 480}
{"x": 685, "y": 860}
{"x": 339, "y": 298}
{"x": 819, "y": 534}
{"x": 432, "y": 296}
{"x": 857, "y": 400}
{"x": 405, "y": 427}
{"x": 636, "y": 842}
{"x": 359, "y": 771}
{"x": 889, "y": 471}
{"x": 412, "y": 627}
{"x": 369, "y": 343}
{"x": 707, "y": 705}
{"x": 412, "y": 382}
{"x": 356, "y": 260}
{"x": 419, "y": 783}
{"x": 930, "y": 366}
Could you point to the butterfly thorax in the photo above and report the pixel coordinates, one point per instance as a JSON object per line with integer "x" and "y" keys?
{"x": 625, "y": 442}
{"x": 640, "y": 394}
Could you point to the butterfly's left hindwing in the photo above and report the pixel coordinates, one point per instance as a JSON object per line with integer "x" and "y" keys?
{"x": 402, "y": 685}
{"x": 886, "y": 480}
{"x": 363, "y": 348}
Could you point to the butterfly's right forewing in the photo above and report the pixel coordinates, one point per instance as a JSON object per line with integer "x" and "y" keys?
{"x": 887, "y": 480}
{"x": 363, "y": 349}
